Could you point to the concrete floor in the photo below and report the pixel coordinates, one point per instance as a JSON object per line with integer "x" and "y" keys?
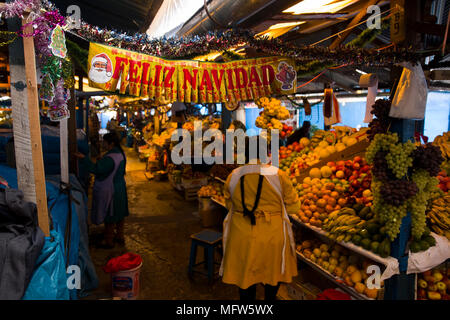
{"x": 158, "y": 229}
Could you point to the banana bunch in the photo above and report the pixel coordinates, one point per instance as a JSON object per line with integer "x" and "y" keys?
{"x": 443, "y": 142}
{"x": 342, "y": 224}
{"x": 342, "y": 131}
{"x": 439, "y": 216}
{"x": 318, "y": 136}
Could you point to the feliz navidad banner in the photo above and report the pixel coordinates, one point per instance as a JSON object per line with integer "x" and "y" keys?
{"x": 188, "y": 80}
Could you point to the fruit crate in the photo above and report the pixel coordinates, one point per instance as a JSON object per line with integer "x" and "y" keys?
{"x": 194, "y": 183}
{"x": 358, "y": 149}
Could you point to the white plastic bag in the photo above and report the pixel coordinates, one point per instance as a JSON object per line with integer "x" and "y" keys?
{"x": 410, "y": 98}
{"x": 426, "y": 260}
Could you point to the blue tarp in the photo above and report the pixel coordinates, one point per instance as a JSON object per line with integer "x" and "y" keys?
{"x": 58, "y": 206}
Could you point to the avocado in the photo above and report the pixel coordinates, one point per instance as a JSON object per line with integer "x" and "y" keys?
{"x": 384, "y": 249}
{"x": 365, "y": 243}
{"x": 373, "y": 228}
{"x": 364, "y": 233}
{"x": 356, "y": 239}
{"x": 377, "y": 237}
{"x": 358, "y": 207}
{"x": 374, "y": 246}
{"x": 364, "y": 212}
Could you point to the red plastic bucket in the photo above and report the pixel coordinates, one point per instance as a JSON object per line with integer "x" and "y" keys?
{"x": 125, "y": 283}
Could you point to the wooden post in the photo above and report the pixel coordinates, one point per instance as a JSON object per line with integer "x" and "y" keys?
{"x": 35, "y": 129}
{"x": 72, "y": 132}
{"x": 64, "y": 150}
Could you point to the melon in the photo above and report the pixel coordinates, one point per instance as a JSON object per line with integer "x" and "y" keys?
{"x": 304, "y": 141}
{"x": 340, "y": 146}
{"x": 315, "y": 173}
{"x": 323, "y": 144}
{"x": 351, "y": 141}
{"x": 331, "y": 149}
{"x": 326, "y": 171}
{"x": 324, "y": 154}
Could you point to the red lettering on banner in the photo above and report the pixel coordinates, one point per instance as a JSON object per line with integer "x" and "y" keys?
{"x": 119, "y": 66}
{"x": 146, "y": 74}
{"x": 134, "y": 67}
{"x": 158, "y": 69}
{"x": 244, "y": 77}
{"x": 269, "y": 68}
{"x": 254, "y": 77}
{"x": 206, "y": 80}
{"x": 230, "y": 79}
{"x": 217, "y": 79}
{"x": 167, "y": 79}
{"x": 188, "y": 77}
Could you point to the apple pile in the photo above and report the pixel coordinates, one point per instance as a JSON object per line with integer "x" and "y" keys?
{"x": 286, "y": 131}
{"x": 434, "y": 284}
{"x": 357, "y": 172}
{"x": 444, "y": 181}
{"x": 290, "y": 153}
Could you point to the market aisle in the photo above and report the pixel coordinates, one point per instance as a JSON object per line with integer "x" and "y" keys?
{"x": 158, "y": 229}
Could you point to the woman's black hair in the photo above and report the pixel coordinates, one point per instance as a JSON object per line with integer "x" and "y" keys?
{"x": 113, "y": 138}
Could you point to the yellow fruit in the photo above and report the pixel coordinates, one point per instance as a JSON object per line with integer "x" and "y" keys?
{"x": 323, "y": 247}
{"x": 360, "y": 287}
{"x": 307, "y": 180}
{"x": 356, "y": 276}
{"x": 339, "y": 147}
{"x": 345, "y": 139}
{"x": 317, "y": 252}
{"x": 326, "y": 171}
{"x": 335, "y": 254}
{"x": 371, "y": 293}
{"x": 333, "y": 261}
{"x": 351, "y": 141}
{"x": 323, "y": 144}
{"x": 305, "y": 141}
{"x": 306, "y": 244}
{"x": 338, "y": 271}
{"x": 325, "y": 256}
{"x": 331, "y": 268}
{"x": 315, "y": 173}
{"x": 331, "y": 149}
{"x": 351, "y": 269}
{"x": 324, "y": 154}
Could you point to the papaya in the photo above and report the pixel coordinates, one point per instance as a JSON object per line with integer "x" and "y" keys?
{"x": 364, "y": 212}
{"x": 373, "y": 228}
{"x": 365, "y": 243}
{"x": 358, "y": 207}
{"x": 384, "y": 248}
{"x": 364, "y": 233}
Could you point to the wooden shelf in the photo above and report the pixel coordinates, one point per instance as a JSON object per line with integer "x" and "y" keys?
{"x": 332, "y": 278}
{"x": 218, "y": 202}
{"x": 348, "y": 245}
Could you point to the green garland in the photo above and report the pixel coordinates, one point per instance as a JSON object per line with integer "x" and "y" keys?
{"x": 367, "y": 36}
{"x": 78, "y": 55}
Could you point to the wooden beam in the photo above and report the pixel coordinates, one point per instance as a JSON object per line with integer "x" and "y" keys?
{"x": 361, "y": 14}
{"x": 283, "y": 17}
{"x": 35, "y": 128}
{"x": 429, "y": 28}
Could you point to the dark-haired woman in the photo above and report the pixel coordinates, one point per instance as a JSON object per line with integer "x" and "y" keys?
{"x": 109, "y": 194}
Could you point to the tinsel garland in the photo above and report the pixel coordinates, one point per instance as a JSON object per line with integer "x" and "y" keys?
{"x": 181, "y": 48}
{"x": 367, "y": 36}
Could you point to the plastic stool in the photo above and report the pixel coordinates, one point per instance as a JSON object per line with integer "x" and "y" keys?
{"x": 209, "y": 240}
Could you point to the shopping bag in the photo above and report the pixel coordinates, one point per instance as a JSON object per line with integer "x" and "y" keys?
{"x": 49, "y": 280}
{"x": 410, "y": 98}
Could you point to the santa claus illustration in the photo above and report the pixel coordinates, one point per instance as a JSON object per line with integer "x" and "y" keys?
{"x": 101, "y": 68}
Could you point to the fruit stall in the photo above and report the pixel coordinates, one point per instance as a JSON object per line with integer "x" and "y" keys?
{"x": 355, "y": 189}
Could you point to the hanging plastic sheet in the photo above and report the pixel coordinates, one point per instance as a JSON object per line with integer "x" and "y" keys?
{"x": 49, "y": 280}
{"x": 369, "y": 81}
